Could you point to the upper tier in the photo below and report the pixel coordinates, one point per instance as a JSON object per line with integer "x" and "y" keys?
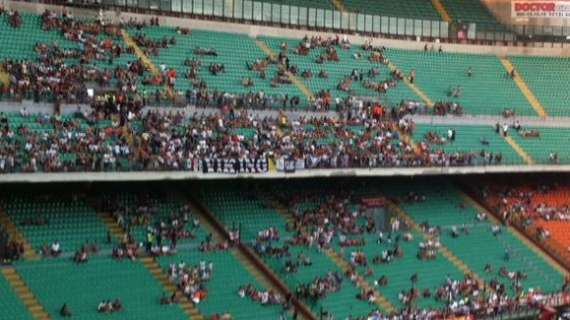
{"x": 487, "y": 90}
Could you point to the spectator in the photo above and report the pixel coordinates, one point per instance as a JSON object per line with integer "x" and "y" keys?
{"x": 64, "y": 312}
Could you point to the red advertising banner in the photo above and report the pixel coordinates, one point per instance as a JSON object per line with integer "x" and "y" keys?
{"x": 373, "y": 202}
{"x": 540, "y": 9}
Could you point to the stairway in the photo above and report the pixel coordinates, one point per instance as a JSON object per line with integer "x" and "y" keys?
{"x": 24, "y": 293}
{"x": 532, "y": 99}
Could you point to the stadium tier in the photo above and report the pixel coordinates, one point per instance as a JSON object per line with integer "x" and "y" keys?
{"x": 324, "y": 246}
{"x": 255, "y": 214}
{"x": 136, "y": 211}
{"x": 431, "y": 273}
{"x": 200, "y": 63}
{"x": 44, "y": 42}
{"x": 38, "y": 143}
{"x": 233, "y": 51}
{"x": 352, "y": 61}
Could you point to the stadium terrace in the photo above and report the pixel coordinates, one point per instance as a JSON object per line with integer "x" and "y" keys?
{"x": 147, "y": 157}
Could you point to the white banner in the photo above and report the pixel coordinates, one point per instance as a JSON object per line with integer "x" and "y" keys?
{"x": 540, "y": 9}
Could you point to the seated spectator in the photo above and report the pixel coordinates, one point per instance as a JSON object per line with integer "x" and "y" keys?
{"x": 553, "y": 158}
{"x": 247, "y": 82}
{"x": 216, "y": 68}
{"x": 80, "y": 256}
{"x": 382, "y": 281}
{"x": 54, "y": 249}
{"x": 14, "y": 19}
{"x": 64, "y": 312}
{"x": 455, "y": 92}
{"x": 495, "y": 229}
{"x": 108, "y": 306}
{"x": 205, "y": 51}
{"x": 481, "y": 216}
{"x": 307, "y": 74}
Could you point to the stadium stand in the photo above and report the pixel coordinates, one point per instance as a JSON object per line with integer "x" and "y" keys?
{"x": 21, "y": 41}
{"x": 188, "y": 57}
{"x": 114, "y": 149}
{"x": 231, "y": 206}
{"x": 136, "y": 211}
{"x": 117, "y": 148}
{"x": 202, "y": 101}
{"x": 257, "y": 214}
{"x": 61, "y": 280}
{"x": 91, "y": 52}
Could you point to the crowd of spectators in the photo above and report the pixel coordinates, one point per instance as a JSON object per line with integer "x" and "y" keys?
{"x": 14, "y": 18}
{"x": 121, "y": 147}
{"x": 61, "y": 70}
{"x": 334, "y": 220}
{"x": 264, "y": 297}
{"x": 320, "y": 287}
{"x": 206, "y": 143}
{"x": 110, "y": 306}
{"x": 192, "y": 280}
{"x": 526, "y": 204}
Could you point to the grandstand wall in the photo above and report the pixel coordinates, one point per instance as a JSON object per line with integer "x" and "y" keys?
{"x": 70, "y": 177}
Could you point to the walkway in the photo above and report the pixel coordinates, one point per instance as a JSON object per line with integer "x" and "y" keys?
{"x": 486, "y": 120}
